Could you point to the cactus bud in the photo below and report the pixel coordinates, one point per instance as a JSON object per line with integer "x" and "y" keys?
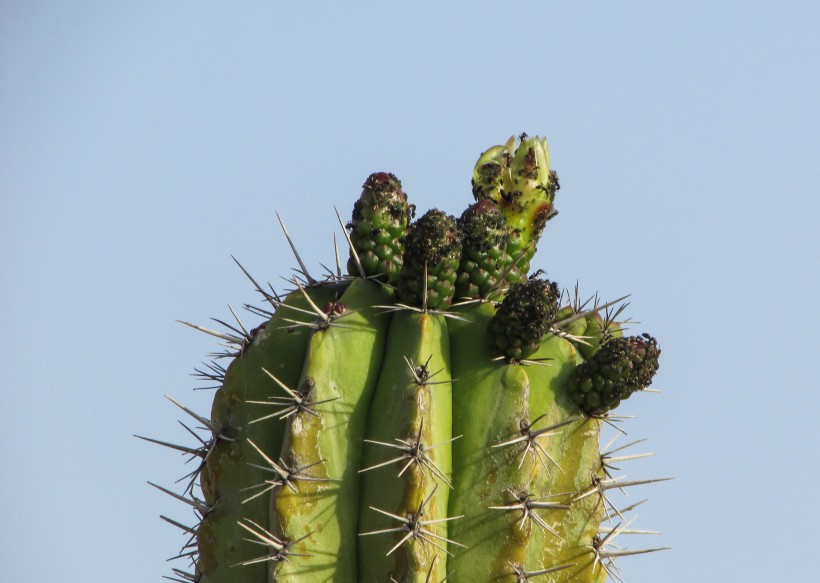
{"x": 380, "y": 219}
{"x": 621, "y": 367}
{"x": 484, "y": 258}
{"x": 523, "y": 318}
{"x": 519, "y": 181}
{"x": 432, "y": 254}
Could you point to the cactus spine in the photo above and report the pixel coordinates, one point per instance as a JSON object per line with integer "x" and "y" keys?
{"x": 435, "y": 414}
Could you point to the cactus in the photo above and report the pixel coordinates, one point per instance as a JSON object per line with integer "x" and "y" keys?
{"x": 435, "y": 414}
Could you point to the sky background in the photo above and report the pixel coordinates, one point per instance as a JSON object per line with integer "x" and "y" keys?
{"x": 143, "y": 143}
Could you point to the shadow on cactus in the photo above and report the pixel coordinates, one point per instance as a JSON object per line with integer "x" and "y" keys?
{"x": 434, "y": 414}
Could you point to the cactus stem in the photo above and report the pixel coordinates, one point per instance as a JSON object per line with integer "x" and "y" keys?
{"x": 415, "y": 527}
{"x": 429, "y": 577}
{"x": 302, "y": 268}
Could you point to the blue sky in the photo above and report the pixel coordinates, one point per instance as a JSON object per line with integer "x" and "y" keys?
{"x": 144, "y": 143}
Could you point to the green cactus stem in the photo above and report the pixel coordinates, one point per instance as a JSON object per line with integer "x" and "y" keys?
{"x": 315, "y": 505}
{"x": 406, "y": 470}
{"x": 238, "y": 412}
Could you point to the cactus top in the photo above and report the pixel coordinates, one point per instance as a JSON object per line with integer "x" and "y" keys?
{"x": 522, "y": 319}
{"x": 379, "y": 224}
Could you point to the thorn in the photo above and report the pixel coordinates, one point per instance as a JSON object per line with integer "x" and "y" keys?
{"x": 415, "y": 527}
{"x": 353, "y": 252}
{"x": 198, "y": 451}
{"x": 179, "y": 525}
{"x": 594, "y": 310}
{"x": 528, "y": 505}
{"x": 296, "y": 402}
{"x": 227, "y": 337}
{"x": 304, "y": 270}
{"x": 195, "y": 503}
{"x": 414, "y": 452}
{"x": 530, "y": 437}
{"x": 280, "y": 547}
{"x": 338, "y": 259}
{"x": 258, "y": 287}
{"x": 523, "y": 576}
{"x": 207, "y": 423}
{"x": 285, "y": 474}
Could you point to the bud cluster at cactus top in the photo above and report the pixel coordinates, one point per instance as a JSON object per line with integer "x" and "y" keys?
{"x": 433, "y": 415}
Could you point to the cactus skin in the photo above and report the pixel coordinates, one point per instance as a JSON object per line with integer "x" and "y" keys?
{"x": 376, "y": 428}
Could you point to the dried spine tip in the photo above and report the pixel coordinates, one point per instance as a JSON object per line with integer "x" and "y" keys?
{"x": 621, "y": 367}
{"x": 378, "y": 227}
{"x": 432, "y": 254}
{"x": 484, "y": 258}
{"x": 523, "y": 318}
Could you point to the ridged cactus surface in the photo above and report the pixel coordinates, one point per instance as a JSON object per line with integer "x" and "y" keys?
{"x": 434, "y": 414}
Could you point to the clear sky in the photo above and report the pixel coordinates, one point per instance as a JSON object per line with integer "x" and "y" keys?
{"x": 143, "y": 143}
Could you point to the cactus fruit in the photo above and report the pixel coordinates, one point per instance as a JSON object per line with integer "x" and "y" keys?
{"x": 434, "y": 415}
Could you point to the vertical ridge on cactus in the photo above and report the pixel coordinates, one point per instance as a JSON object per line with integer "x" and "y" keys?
{"x": 436, "y": 414}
